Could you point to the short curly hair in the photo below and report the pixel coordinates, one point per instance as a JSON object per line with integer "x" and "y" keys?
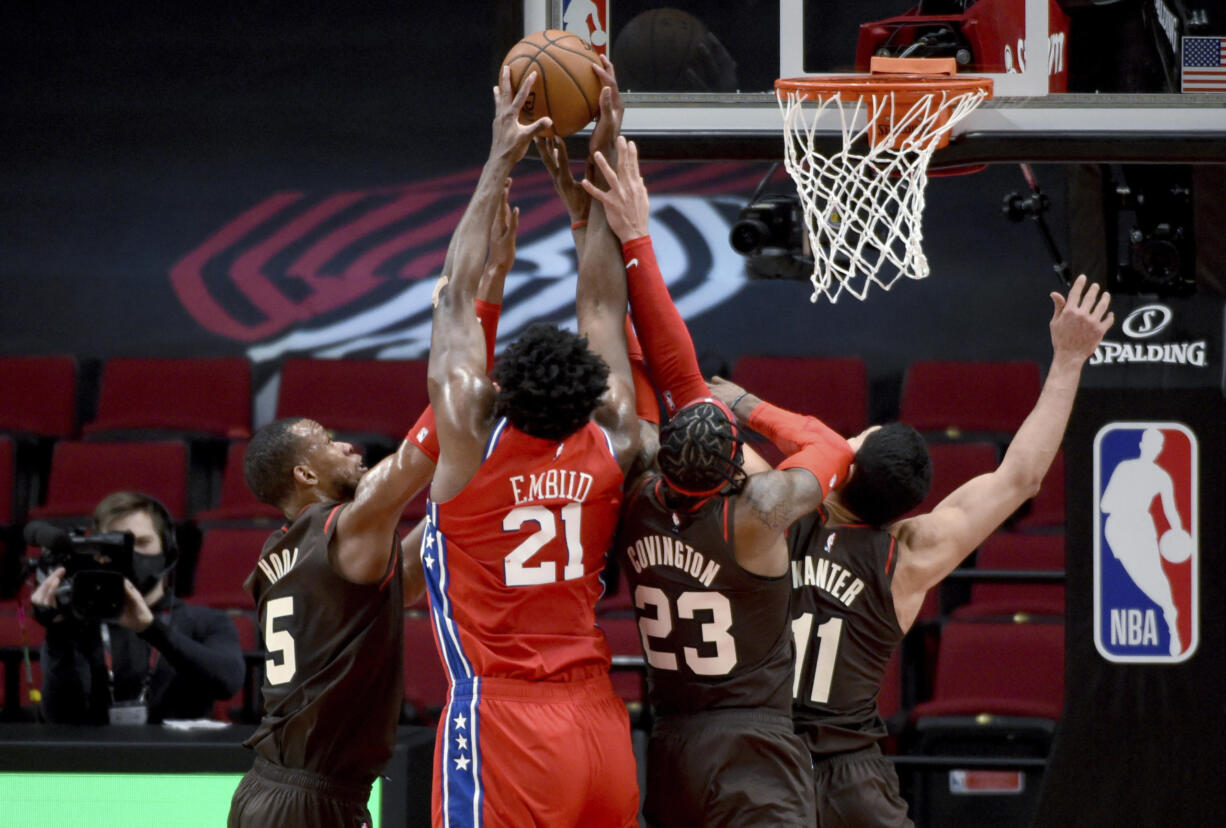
{"x": 549, "y": 382}
{"x": 701, "y": 450}
{"x": 891, "y": 476}
{"x": 268, "y": 464}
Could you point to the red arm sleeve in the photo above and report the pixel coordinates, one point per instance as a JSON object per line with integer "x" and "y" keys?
{"x": 423, "y": 434}
{"x": 666, "y": 341}
{"x": 809, "y": 443}
{"x": 644, "y": 394}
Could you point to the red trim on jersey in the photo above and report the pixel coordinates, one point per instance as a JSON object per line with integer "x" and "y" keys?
{"x": 726, "y": 538}
{"x": 889, "y": 561}
{"x": 391, "y": 570}
{"x": 331, "y": 515}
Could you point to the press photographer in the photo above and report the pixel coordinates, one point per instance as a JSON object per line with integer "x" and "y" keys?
{"x": 120, "y": 647}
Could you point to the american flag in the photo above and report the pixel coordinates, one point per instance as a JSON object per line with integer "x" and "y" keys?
{"x": 1204, "y": 64}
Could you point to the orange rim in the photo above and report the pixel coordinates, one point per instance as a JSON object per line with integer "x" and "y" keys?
{"x": 856, "y": 87}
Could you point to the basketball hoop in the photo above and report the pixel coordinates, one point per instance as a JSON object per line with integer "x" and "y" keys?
{"x": 864, "y": 204}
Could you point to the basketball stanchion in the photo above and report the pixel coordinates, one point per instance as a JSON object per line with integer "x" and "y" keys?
{"x": 864, "y": 204}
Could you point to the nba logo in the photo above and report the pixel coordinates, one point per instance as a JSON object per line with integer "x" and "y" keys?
{"x": 1146, "y": 561}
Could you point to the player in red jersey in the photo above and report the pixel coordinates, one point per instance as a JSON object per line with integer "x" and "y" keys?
{"x": 523, "y": 506}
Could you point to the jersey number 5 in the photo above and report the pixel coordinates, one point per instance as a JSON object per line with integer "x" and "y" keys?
{"x": 517, "y": 571}
{"x": 713, "y": 632}
{"x": 279, "y": 641}
{"x": 828, "y": 635}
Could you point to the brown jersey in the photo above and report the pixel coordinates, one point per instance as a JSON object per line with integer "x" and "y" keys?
{"x": 714, "y": 635}
{"x": 333, "y": 685}
{"x": 846, "y": 630}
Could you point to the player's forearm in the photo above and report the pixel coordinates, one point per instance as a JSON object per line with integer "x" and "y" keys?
{"x": 809, "y": 443}
{"x": 466, "y": 253}
{"x": 1034, "y": 447}
{"x": 671, "y": 358}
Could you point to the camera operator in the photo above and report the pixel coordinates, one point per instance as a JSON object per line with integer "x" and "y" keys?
{"x": 159, "y": 658}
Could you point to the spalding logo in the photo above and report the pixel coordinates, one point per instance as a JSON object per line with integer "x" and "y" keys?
{"x": 1146, "y": 321}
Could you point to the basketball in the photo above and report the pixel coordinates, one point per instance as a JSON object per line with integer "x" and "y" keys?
{"x": 566, "y": 89}
{"x": 1175, "y": 546}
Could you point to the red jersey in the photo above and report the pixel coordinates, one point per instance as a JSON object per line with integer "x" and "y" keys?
{"x": 513, "y": 562}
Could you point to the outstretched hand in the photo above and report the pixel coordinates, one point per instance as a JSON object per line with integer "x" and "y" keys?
{"x": 625, "y": 202}
{"x": 511, "y": 138}
{"x": 552, "y": 150}
{"x": 1080, "y": 321}
{"x": 612, "y": 108}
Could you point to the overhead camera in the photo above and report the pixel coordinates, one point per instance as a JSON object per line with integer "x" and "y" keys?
{"x": 95, "y": 567}
{"x": 1159, "y": 251}
{"x": 770, "y": 234}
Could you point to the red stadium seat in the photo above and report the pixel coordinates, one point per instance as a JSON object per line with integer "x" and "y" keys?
{"x": 236, "y": 504}
{"x": 1006, "y": 669}
{"x": 954, "y": 397}
{"x": 355, "y": 396}
{"x": 38, "y": 395}
{"x": 8, "y": 473}
{"x": 1005, "y": 550}
{"x": 1046, "y": 510}
{"x": 83, "y": 473}
{"x": 832, "y": 389}
{"x": 425, "y": 682}
{"x": 952, "y": 465}
{"x": 197, "y": 396}
{"x": 227, "y": 557}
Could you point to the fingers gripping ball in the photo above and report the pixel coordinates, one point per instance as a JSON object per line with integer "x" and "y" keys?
{"x": 1175, "y": 545}
{"x": 566, "y": 89}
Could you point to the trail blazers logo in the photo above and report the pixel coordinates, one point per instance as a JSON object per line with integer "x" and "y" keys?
{"x": 1146, "y": 560}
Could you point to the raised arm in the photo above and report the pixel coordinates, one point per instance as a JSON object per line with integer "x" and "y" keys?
{"x": 600, "y": 300}
{"x": 460, "y": 393}
{"x": 931, "y": 545}
{"x": 552, "y": 150}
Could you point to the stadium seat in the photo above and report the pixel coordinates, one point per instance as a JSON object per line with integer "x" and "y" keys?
{"x": 38, "y": 395}
{"x": 193, "y": 396}
{"x": 8, "y": 472}
{"x": 367, "y": 401}
{"x": 952, "y": 465}
{"x": 624, "y": 640}
{"x": 227, "y": 557}
{"x": 236, "y": 505}
{"x": 954, "y": 397}
{"x": 833, "y": 389}
{"x": 1046, "y": 510}
{"x": 425, "y": 682}
{"x": 1007, "y": 550}
{"x": 82, "y": 473}
{"x": 1012, "y": 669}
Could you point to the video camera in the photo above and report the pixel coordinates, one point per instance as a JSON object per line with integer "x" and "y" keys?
{"x": 95, "y": 567}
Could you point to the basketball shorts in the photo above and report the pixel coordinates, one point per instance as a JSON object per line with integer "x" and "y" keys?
{"x": 270, "y": 796}
{"x": 514, "y": 753}
{"x": 858, "y": 789}
{"x": 728, "y": 767}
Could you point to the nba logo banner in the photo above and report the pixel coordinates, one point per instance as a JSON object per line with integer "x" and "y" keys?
{"x": 1146, "y": 561}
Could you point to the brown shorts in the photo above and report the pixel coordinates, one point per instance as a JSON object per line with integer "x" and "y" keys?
{"x": 728, "y": 767}
{"x": 858, "y": 789}
{"x": 270, "y": 796}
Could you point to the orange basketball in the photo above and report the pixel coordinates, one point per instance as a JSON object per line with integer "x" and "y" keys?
{"x": 566, "y": 88}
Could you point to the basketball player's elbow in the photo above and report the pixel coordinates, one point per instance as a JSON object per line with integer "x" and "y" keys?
{"x": 1022, "y": 479}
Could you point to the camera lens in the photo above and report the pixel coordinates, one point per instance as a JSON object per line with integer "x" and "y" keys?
{"x": 747, "y": 235}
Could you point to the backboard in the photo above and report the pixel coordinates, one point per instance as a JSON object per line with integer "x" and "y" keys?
{"x": 1075, "y": 80}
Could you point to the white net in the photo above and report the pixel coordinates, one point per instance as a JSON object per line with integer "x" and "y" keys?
{"x": 864, "y": 204}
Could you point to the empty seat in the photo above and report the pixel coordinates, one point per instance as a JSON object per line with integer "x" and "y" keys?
{"x": 236, "y": 504}
{"x": 195, "y": 396}
{"x": 952, "y": 465}
{"x": 1006, "y": 550}
{"x": 425, "y": 682}
{"x": 353, "y": 396}
{"x": 1011, "y": 669}
{"x": 83, "y": 473}
{"x": 38, "y": 395}
{"x": 227, "y": 557}
{"x": 1046, "y": 509}
{"x": 835, "y": 390}
{"x": 623, "y": 636}
{"x": 954, "y": 396}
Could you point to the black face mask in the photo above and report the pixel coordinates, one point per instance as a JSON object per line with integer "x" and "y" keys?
{"x": 147, "y": 570}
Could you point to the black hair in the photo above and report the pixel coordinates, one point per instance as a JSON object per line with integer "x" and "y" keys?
{"x": 700, "y": 450}
{"x": 892, "y": 475}
{"x": 549, "y": 382}
{"x": 268, "y": 464}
